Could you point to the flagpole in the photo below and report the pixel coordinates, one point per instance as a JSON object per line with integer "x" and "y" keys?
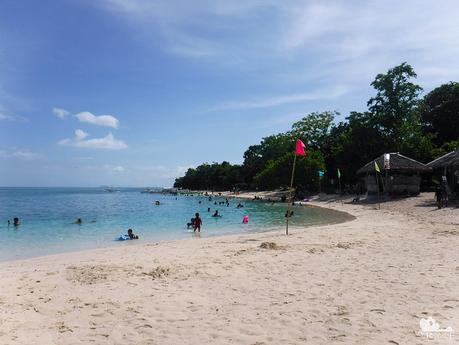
{"x": 290, "y": 196}
{"x": 377, "y": 182}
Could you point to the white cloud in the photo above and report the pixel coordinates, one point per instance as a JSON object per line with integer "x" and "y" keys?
{"x": 119, "y": 168}
{"x": 338, "y": 41}
{"x": 25, "y": 155}
{"x": 163, "y": 172}
{"x": 107, "y": 143}
{"x": 6, "y": 117}
{"x": 101, "y": 120}
{"x": 22, "y": 154}
{"x": 80, "y": 134}
{"x": 60, "y": 113}
{"x": 273, "y": 101}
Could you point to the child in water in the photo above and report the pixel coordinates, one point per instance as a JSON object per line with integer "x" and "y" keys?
{"x": 191, "y": 223}
{"x": 197, "y": 223}
{"x": 132, "y": 236}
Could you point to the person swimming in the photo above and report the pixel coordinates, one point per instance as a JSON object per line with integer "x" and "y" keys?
{"x": 16, "y": 221}
{"x": 216, "y": 214}
{"x": 79, "y": 221}
{"x": 132, "y": 236}
{"x": 191, "y": 223}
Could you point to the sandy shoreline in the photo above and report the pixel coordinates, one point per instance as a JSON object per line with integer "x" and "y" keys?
{"x": 367, "y": 281}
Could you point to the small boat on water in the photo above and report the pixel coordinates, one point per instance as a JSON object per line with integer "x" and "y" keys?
{"x": 159, "y": 191}
{"x": 147, "y": 190}
{"x": 111, "y": 189}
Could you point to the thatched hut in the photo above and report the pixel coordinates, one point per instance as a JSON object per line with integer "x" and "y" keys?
{"x": 447, "y": 166}
{"x": 399, "y": 174}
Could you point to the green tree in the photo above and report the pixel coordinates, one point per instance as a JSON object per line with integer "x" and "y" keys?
{"x": 395, "y": 103}
{"x": 215, "y": 176}
{"x": 277, "y": 173}
{"x": 353, "y": 144}
{"x": 314, "y": 128}
{"x": 257, "y": 156}
{"x": 440, "y": 113}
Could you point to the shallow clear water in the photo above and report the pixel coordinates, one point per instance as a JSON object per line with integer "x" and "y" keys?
{"x": 48, "y": 218}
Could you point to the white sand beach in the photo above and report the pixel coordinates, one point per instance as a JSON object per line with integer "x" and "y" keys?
{"x": 366, "y": 281}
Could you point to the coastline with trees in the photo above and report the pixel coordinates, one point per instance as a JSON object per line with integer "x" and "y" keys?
{"x": 398, "y": 119}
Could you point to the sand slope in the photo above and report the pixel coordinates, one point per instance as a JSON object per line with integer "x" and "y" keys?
{"x": 367, "y": 281}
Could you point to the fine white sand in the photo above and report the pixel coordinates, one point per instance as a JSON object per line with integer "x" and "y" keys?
{"x": 366, "y": 281}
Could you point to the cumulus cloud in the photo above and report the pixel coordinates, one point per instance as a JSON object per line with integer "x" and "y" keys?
{"x": 101, "y": 120}
{"x": 119, "y": 168}
{"x": 106, "y": 143}
{"x": 80, "y": 134}
{"x": 60, "y": 113}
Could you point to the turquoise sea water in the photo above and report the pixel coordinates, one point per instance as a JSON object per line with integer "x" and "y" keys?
{"x": 48, "y": 218}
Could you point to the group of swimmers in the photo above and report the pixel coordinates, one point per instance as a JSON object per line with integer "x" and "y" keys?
{"x": 223, "y": 203}
{"x": 196, "y": 222}
{"x": 130, "y": 232}
{"x": 16, "y": 221}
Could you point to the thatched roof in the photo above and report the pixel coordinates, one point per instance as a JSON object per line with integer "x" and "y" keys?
{"x": 450, "y": 159}
{"x": 398, "y": 163}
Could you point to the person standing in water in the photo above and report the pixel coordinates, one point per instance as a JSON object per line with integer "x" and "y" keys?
{"x": 197, "y": 222}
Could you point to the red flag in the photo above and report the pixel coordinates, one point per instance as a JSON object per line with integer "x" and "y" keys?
{"x": 300, "y": 146}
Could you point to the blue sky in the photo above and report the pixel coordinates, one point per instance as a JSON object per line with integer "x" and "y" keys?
{"x": 133, "y": 92}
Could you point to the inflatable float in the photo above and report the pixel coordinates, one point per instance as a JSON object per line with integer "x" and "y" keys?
{"x": 124, "y": 238}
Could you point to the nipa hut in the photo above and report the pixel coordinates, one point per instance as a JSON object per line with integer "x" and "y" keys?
{"x": 398, "y": 174}
{"x": 447, "y": 166}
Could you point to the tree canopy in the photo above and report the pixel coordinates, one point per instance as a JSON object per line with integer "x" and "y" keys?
{"x": 440, "y": 113}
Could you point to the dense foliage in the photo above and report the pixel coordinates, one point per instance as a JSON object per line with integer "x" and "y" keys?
{"x": 397, "y": 120}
